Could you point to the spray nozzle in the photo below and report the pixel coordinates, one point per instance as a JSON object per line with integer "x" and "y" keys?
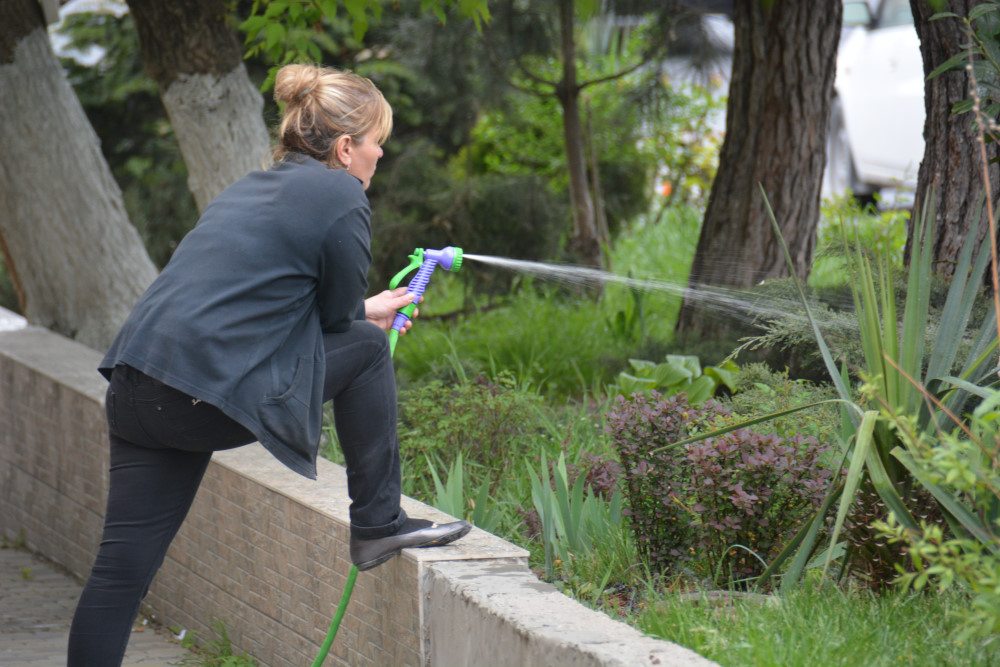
{"x": 425, "y": 261}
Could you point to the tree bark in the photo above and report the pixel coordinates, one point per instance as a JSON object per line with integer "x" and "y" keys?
{"x": 192, "y": 53}
{"x": 585, "y": 242}
{"x": 777, "y": 115}
{"x": 78, "y": 262}
{"x": 952, "y": 167}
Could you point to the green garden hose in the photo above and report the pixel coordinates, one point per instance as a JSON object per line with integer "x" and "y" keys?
{"x": 345, "y": 598}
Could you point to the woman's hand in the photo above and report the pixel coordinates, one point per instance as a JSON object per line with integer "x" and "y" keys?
{"x": 381, "y": 309}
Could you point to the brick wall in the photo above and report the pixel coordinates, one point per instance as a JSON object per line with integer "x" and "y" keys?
{"x": 265, "y": 550}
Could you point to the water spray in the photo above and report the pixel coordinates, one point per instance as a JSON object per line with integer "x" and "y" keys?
{"x": 424, "y": 261}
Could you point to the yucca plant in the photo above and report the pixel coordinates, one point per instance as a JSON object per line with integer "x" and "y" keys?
{"x": 901, "y": 374}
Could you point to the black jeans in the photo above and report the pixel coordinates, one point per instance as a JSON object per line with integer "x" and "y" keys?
{"x": 161, "y": 443}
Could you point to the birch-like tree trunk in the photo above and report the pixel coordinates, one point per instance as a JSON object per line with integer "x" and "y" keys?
{"x": 777, "y": 115}
{"x": 78, "y": 263}
{"x": 190, "y": 50}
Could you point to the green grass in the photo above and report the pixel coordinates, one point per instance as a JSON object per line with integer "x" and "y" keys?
{"x": 823, "y": 627}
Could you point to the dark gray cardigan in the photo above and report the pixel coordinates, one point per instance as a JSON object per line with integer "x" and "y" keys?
{"x": 236, "y": 317}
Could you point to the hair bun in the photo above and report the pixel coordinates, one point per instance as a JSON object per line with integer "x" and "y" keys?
{"x": 295, "y": 81}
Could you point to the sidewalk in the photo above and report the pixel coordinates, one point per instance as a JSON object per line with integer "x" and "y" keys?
{"x": 36, "y": 606}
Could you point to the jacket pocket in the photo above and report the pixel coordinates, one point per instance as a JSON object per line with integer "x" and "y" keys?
{"x": 287, "y": 415}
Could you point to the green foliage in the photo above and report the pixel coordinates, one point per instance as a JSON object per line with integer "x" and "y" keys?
{"x": 528, "y": 140}
{"x": 450, "y": 497}
{"x": 845, "y": 226}
{"x": 518, "y": 140}
{"x": 289, "y": 30}
{"x": 897, "y": 366}
{"x": 506, "y": 216}
{"x": 560, "y": 343}
{"x": 574, "y": 520}
{"x": 961, "y": 469}
{"x": 821, "y": 626}
{"x": 679, "y": 374}
{"x": 214, "y": 653}
{"x": 550, "y": 342}
{"x": 761, "y": 390}
{"x": 686, "y": 145}
{"x": 661, "y": 249}
{"x": 945, "y": 563}
{"x": 489, "y": 421}
{"x": 982, "y": 55}
{"x": 724, "y": 506}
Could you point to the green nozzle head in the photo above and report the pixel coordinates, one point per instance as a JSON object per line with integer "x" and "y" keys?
{"x": 456, "y": 262}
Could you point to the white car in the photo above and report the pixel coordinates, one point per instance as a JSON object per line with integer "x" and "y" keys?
{"x": 877, "y": 116}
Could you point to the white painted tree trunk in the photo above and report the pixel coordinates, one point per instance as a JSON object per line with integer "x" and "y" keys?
{"x": 79, "y": 262}
{"x": 219, "y": 125}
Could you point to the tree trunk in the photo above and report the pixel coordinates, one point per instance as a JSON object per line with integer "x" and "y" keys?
{"x": 951, "y": 166}
{"x": 78, "y": 262}
{"x": 776, "y": 123}
{"x": 597, "y": 190}
{"x": 192, "y": 53}
{"x": 585, "y": 242}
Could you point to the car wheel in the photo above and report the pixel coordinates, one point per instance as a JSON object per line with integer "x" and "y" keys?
{"x": 839, "y": 176}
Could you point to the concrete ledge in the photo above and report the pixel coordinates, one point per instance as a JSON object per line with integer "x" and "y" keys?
{"x": 266, "y": 551}
{"x": 499, "y": 613}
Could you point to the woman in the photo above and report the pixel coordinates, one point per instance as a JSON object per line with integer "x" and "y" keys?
{"x": 258, "y": 318}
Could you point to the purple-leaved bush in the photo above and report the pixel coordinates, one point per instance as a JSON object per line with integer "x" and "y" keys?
{"x": 707, "y": 503}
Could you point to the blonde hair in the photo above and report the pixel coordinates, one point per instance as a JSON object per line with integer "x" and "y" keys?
{"x": 323, "y": 104}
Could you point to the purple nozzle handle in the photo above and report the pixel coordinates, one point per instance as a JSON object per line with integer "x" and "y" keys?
{"x": 449, "y": 258}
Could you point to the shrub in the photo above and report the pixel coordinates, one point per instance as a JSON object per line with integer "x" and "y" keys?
{"x": 654, "y": 481}
{"x": 714, "y": 503}
{"x": 962, "y": 470}
{"x": 601, "y": 475}
{"x": 749, "y": 493}
{"x": 490, "y": 421}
